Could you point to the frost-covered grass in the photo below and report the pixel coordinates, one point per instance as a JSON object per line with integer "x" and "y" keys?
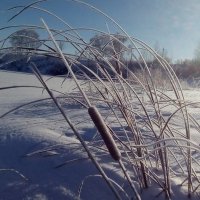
{"x": 35, "y": 139}
{"x": 139, "y": 139}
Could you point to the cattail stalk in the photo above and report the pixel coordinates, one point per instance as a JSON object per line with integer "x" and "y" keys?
{"x": 110, "y": 144}
{"x": 90, "y": 155}
{"x": 105, "y": 133}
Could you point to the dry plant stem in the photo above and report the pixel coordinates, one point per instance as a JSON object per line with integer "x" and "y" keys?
{"x": 99, "y": 168}
{"x": 120, "y": 100}
{"x": 69, "y": 161}
{"x": 166, "y": 170}
{"x": 110, "y": 143}
{"x": 189, "y": 152}
{"x": 117, "y": 185}
{"x": 66, "y": 63}
{"x": 140, "y": 182}
{"x": 39, "y": 100}
{"x": 137, "y": 196}
{"x": 133, "y": 123}
{"x": 60, "y": 19}
{"x": 15, "y": 171}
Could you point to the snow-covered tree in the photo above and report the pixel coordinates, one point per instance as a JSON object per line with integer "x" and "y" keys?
{"x": 25, "y": 38}
{"x": 111, "y": 47}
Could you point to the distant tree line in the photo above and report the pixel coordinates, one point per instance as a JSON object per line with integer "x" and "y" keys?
{"x": 112, "y": 48}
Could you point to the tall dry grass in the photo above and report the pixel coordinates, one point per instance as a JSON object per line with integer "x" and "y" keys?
{"x": 135, "y": 116}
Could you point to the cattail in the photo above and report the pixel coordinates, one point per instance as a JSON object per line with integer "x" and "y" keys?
{"x": 105, "y": 133}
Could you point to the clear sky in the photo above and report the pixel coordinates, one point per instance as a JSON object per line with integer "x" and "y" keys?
{"x": 173, "y": 24}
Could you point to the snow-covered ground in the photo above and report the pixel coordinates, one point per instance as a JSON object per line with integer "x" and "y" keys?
{"x": 35, "y": 141}
{"x": 40, "y": 126}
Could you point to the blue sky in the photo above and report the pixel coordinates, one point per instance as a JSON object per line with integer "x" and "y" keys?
{"x": 173, "y": 24}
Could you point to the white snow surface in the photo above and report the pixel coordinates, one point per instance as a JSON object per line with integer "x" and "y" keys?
{"x": 35, "y": 140}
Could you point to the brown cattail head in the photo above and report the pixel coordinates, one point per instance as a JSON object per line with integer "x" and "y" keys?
{"x": 105, "y": 133}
